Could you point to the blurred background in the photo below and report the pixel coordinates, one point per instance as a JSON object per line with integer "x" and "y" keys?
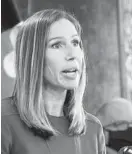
{"x": 107, "y": 38}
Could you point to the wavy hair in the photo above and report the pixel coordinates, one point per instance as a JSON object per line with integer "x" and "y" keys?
{"x": 30, "y": 62}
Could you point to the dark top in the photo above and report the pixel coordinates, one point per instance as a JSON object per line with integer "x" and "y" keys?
{"x": 17, "y": 138}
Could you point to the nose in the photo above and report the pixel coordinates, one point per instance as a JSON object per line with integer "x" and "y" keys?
{"x": 70, "y": 53}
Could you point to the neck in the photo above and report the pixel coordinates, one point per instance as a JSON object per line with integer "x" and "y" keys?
{"x": 54, "y": 101}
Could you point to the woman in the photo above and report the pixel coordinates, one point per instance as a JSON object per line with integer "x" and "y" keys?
{"x": 45, "y": 114}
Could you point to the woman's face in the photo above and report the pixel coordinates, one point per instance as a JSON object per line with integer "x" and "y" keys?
{"x": 63, "y": 56}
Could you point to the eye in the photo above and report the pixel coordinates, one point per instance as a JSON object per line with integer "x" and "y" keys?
{"x": 56, "y": 45}
{"x": 76, "y": 42}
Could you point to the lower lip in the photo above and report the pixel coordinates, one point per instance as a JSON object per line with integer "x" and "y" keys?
{"x": 70, "y": 75}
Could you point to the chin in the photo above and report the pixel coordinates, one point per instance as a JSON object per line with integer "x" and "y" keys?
{"x": 71, "y": 86}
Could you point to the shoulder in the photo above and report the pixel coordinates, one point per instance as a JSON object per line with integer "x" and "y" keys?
{"x": 7, "y": 107}
{"x": 95, "y": 128}
{"x": 7, "y": 121}
{"x": 92, "y": 119}
{"x": 93, "y": 123}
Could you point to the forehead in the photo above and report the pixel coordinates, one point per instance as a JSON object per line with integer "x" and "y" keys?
{"x": 62, "y": 27}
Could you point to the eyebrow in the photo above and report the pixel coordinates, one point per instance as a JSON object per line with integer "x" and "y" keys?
{"x": 60, "y": 37}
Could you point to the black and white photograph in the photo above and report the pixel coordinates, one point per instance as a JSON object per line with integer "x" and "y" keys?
{"x": 66, "y": 76}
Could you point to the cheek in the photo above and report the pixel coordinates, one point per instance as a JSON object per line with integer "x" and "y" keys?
{"x": 52, "y": 64}
{"x": 50, "y": 69}
{"x": 79, "y": 52}
{"x": 80, "y": 56}
{"x": 54, "y": 59}
{"x": 50, "y": 73}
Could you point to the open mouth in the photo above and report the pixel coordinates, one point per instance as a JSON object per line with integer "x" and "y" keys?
{"x": 70, "y": 71}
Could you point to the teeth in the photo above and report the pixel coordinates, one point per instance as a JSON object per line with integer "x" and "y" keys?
{"x": 72, "y": 70}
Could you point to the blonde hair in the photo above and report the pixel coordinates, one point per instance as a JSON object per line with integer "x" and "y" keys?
{"x": 30, "y": 62}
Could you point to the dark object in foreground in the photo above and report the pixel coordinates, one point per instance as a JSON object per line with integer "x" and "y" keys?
{"x": 125, "y": 150}
{"x": 120, "y": 139}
